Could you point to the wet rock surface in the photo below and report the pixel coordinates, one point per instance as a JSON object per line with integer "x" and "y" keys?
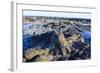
{"x": 56, "y": 39}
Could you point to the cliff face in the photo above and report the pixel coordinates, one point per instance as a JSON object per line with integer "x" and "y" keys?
{"x": 48, "y": 39}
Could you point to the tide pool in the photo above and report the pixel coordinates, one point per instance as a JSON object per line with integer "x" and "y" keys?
{"x": 87, "y": 36}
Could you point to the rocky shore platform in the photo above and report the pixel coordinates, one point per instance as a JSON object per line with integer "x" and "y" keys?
{"x": 56, "y": 39}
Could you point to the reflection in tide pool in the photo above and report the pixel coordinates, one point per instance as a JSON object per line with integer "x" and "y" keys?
{"x": 87, "y": 36}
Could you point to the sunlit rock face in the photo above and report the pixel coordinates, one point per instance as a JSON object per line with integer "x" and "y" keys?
{"x": 56, "y": 39}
